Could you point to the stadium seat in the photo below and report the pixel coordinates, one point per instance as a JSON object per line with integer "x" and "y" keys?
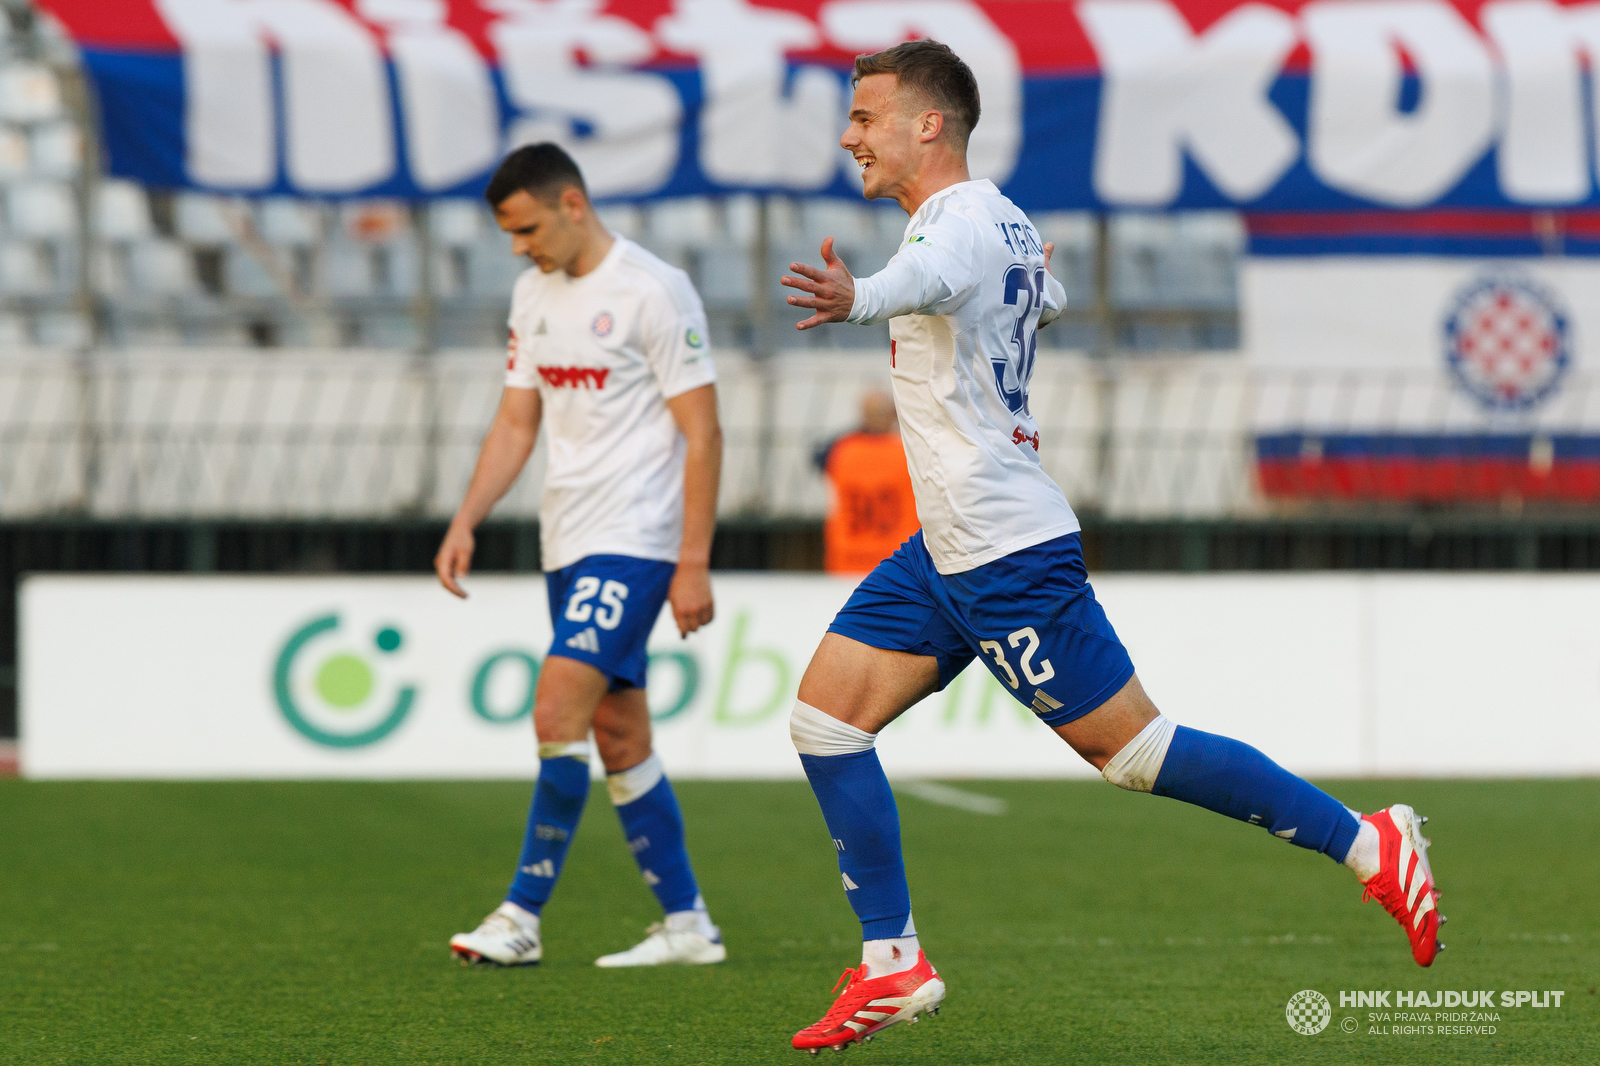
{"x": 161, "y": 267}
{"x": 43, "y": 209}
{"x": 14, "y": 153}
{"x": 246, "y": 275}
{"x": 673, "y": 225}
{"x": 846, "y": 222}
{"x": 14, "y": 331}
{"x": 625, "y": 219}
{"x": 284, "y": 221}
{"x": 724, "y": 276}
{"x": 199, "y": 219}
{"x": 23, "y": 268}
{"x": 1139, "y": 243}
{"x": 346, "y": 269}
{"x": 29, "y": 92}
{"x": 1205, "y": 257}
{"x": 491, "y": 268}
{"x": 57, "y": 150}
{"x": 108, "y": 270}
{"x": 62, "y": 330}
{"x": 456, "y": 223}
{"x": 121, "y": 212}
{"x": 741, "y": 220}
{"x": 395, "y": 268}
{"x": 1072, "y": 232}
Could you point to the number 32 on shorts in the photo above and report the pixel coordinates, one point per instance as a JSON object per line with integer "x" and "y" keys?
{"x": 608, "y": 615}
{"x": 1036, "y": 674}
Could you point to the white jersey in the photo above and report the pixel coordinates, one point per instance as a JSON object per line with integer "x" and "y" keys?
{"x": 964, "y": 297}
{"x": 606, "y": 351}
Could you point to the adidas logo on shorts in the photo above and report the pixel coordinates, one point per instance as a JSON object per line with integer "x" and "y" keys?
{"x": 1043, "y": 704}
{"x": 588, "y": 640}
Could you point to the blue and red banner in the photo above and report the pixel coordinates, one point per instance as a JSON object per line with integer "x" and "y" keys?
{"x": 1326, "y": 106}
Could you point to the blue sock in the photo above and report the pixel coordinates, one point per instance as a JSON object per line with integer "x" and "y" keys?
{"x": 557, "y": 805}
{"x": 653, "y": 825}
{"x": 1231, "y": 778}
{"x": 859, "y": 808}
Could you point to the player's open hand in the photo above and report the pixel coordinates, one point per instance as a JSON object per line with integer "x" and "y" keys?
{"x": 830, "y": 292}
{"x": 690, "y": 596}
{"x": 455, "y": 558}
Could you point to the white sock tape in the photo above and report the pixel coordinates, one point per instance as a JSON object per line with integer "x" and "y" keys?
{"x": 1135, "y": 767}
{"x": 625, "y": 786}
{"x": 564, "y": 749}
{"x": 816, "y": 733}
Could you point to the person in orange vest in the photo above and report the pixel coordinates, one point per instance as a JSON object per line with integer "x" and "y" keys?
{"x": 871, "y": 511}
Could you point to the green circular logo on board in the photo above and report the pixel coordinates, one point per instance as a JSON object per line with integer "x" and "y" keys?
{"x": 343, "y": 684}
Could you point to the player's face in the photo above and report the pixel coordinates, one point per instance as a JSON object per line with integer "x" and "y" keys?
{"x": 550, "y": 234}
{"x": 884, "y": 135}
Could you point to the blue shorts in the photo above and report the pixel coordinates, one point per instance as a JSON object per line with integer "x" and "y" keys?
{"x": 603, "y": 608}
{"x": 1031, "y": 616}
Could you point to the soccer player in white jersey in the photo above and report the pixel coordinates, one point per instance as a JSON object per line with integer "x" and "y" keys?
{"x": 609, "y": 353}
{"x": 997, "y": 570}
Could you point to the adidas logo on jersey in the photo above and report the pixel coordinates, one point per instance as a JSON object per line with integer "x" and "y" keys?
{"x": 575, "y": 377}
{"x": 588, "y": 640}
{"x": 545, "y": 868}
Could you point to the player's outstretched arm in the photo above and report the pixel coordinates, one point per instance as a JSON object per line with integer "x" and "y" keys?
{"x": 830, "y": 292}
{"x": 695, "y": 412}
{"x": 505, "y": 450}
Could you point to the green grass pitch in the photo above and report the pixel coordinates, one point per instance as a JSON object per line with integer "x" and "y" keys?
{"x": 306, "y": 923}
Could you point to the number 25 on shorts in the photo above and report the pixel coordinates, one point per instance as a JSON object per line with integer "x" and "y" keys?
{"x": 608, "y": 615}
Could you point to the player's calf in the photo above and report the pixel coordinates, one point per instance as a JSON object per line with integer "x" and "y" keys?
{"x": 1386, "y": 850}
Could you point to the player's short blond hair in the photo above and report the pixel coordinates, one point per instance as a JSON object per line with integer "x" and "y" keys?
{"x": 933, "y": 74}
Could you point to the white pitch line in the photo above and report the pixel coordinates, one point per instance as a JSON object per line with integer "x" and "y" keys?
{"x": 945, "y": 796}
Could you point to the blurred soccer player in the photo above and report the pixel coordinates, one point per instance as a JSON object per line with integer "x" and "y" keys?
{"x": 609, "y": 351}
{"x": 997, "y": 570}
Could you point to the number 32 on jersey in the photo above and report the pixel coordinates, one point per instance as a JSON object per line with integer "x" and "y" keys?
{"x": 1024, "y": 290}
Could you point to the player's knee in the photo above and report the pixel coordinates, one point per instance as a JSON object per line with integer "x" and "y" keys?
{"x": 625, "y": 786}
{"x": 815, "y": 732}
{"x": 1137, "y": 765}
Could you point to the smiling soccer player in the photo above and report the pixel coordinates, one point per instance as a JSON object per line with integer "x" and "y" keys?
{"x": 997, "y": 570}
{"x": 609, "y": 352}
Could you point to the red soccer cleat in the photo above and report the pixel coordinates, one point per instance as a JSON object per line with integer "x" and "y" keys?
{"x": 866, "y": 1007}
{"x": 1404, "y": 881}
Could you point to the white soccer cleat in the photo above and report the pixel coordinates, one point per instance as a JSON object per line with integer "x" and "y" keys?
{"x": 508, "y": 937}
{"x": 663, "y": 946}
